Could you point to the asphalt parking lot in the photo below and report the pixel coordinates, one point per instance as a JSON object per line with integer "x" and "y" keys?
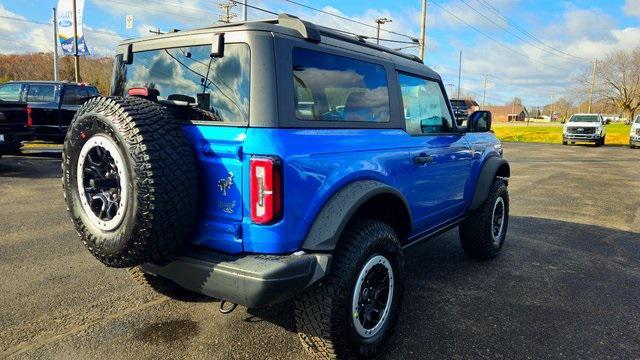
{"x": 566, "y": 286}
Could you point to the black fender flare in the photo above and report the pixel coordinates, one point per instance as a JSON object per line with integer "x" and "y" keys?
{"x": 493, "y": 167}
{"x": 340, "y": 208}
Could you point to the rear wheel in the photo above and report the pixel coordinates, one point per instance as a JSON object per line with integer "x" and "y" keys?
{"x": 483, "y": 233}
{"x": 353, "y": 311}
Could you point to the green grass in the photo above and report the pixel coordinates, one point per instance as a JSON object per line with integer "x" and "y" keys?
{"x": 617, "y": 134}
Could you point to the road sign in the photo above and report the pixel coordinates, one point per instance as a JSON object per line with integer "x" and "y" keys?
{"x": 129, "y": 21}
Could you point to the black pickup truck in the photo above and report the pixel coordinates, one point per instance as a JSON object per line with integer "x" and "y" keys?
{"x": 13, "y": 125}
{"x": 49, "y": 107}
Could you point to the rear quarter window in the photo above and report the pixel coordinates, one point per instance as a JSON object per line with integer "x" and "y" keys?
{"x": 337, "y": 88}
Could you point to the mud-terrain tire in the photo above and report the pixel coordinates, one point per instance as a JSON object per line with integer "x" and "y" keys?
{"x": 162, "y": 286}
{"x": 478, "y": 234}
{"x": 136, "y": 199}
{"x": 326, "y": 315}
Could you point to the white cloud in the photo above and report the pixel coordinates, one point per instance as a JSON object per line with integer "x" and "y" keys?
{"x": 632, "y": 8}
{"x": 21, "y": 36}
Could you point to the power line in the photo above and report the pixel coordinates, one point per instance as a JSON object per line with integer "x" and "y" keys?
{"x": 413, "y": 39}
{"x": 494, "y": 39}
{"x": 523, "y": 31}
{"x": 11, "y": 18}
{"x": 507, "y": 30}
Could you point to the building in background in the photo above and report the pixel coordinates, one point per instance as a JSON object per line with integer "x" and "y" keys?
{"x": 508, "y": 113}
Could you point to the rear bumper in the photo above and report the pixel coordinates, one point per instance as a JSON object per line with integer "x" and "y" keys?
{"x": 249, "y": 280}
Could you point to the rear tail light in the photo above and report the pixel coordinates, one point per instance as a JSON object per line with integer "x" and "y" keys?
{"x": 265, "y": 190}
{"x": 29, "y": 117}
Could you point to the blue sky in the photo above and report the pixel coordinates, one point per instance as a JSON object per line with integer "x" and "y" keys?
{"x": 565, "y": 36}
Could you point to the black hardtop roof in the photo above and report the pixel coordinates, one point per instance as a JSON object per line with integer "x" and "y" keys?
{"x": 293, "y": 26}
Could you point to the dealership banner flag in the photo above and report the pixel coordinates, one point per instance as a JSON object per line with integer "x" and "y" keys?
{"x": 65, "y": 27}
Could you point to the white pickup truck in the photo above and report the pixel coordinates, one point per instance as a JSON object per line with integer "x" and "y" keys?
{"x": 584, "y": 128}
{"x": 634, "y": 137}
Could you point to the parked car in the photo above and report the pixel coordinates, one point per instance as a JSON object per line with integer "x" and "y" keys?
{"x": 584, "y": 128}
{"x": 264, "y": 161}
{"x": 634, "y": 137}
{"x": 460, "y": 110}
{"x": 52, "y": 104}
{"x": 13, "y": 124}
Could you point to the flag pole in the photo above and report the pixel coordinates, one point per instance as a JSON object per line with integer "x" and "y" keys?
{"x": 76, "y": 57}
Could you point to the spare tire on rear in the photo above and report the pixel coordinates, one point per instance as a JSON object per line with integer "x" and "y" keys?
{"x": 130, "y": 181}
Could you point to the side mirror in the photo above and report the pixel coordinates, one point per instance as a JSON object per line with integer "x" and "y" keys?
{"x": 479, "y": 121}
{"x": 217, "y": 46}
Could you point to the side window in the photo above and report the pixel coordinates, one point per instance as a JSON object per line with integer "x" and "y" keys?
{"x": 10, "y": 92}
{"x": 337, "y": 88}
{"x": 41, "y": 93}
{"x": 425, "y": 107}
{"x": 74, "y": 95}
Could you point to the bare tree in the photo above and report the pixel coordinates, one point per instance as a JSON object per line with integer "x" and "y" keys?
{"x": 617, "y": 80}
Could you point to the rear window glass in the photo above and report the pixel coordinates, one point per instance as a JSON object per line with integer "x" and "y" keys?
{"x": 189, "y": 81}
{"x": 41, "y": 93}
{"x": 337, "y": 88}
{"x": 10, "y": 92}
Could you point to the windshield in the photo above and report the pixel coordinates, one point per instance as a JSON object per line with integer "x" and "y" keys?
{"x": 214, "y": 89}
{"x": 458, "y": 103}
{"x": 637, "y": 120}
{"x": 585, "y": 118}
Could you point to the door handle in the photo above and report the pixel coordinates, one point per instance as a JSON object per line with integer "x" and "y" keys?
{"x": 423, "y": 159}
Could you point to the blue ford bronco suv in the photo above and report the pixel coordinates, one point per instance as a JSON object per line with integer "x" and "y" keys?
{"x": 271, "y": 160}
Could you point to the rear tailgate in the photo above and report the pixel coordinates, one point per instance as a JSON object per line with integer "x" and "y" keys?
{"x": 13, "y": 118}
{"x": 219, "y": 155}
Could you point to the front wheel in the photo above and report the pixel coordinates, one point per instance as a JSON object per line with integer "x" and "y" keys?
{"x": 483, "y": 233}
{"x": 353, "y": 311}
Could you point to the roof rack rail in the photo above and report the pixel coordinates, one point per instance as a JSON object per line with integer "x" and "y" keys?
{"x": 306, "y": 29}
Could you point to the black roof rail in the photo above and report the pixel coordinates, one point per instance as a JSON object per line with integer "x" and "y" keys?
{"x": 306, "y": 29}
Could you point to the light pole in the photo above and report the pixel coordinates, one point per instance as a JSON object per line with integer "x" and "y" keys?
{"x": 380, "y": 21}
{"x": 423, "y": 30}
{"x": 450, "y": 85}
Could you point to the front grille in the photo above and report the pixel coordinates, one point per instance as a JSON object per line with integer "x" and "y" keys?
{"x": 581, "y": 130}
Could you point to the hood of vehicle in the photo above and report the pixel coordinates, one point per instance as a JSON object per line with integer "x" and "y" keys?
{"x": 582, "y": 124}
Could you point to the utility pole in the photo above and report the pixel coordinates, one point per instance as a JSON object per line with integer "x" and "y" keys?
{"x": 76, "y": 57}
{"x": 380, "y": 21}
{"x": 244, "y": 10}
{"x": 423, "y": 31}
{"x": 513, "y": 110}
{"x": 55, "y": 45}
{"x": 552, "y": 106}
{"x": 227, "y": 8}
{"x": 459, "y": 73}
{"x": 593, "y": 84}
{"x": 484, "y": 93}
